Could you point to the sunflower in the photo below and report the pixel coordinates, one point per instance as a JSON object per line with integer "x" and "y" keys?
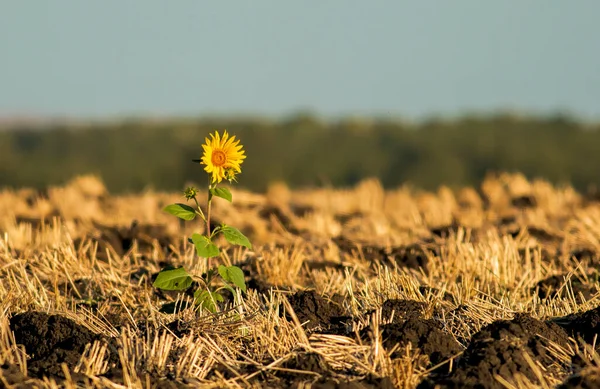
{"x": 222, "y": 157}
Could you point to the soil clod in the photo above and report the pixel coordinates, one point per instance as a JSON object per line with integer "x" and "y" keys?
{"x": 49, "y": 341}
{"x": 426, "y": 335}
{"x": 498, "y": 349}
{"x": 319, "y": 314}
{"x": 585, "y": 325}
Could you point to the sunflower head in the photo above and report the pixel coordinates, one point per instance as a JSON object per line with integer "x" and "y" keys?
{"x": 222, "y": 157}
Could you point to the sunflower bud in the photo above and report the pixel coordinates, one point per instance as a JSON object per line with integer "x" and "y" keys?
{"x": 190, "y": 192}
{"x": 230, "y": 175}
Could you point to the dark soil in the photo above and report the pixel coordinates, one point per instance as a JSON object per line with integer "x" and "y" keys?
{"x": 156, "y": 381}
{"x": 82, "y": 289}
{"x": 445, "y": 231}
{"x": 319, "y": 314}
{"x": 308, "y": 362}
{"x": 323, "y": 265}
{"x": 509, "y": 226}
{"x": 546, "y": 256}
{"x": 425, "y": 334}
{"x": 301, "y": 210}
{"x": 254, "y": 280}
{"x": 311, "y": 368}
{"x": 398, "y": 311}
{"x": 525, "y": 201}
{"x": 50, "y": 340}
{"x": 553, "y": 284}
{"x": 365, "y": 383}
{"x": 121, "y": 239}
{"x": 139, "y": 275}
{"x": 35, "y": 222}
{"x": 543, "y": 235}
{"x": 261, "y": 286}
{"x": 275, "y": 214}
{"x": 498, "y": 349}
{"x": 585, "y": 255}
{"x": 346, "y": 217}
{"x": 585, "y": 325}
{"x": 179, "y": 328}
{"x": 412, "y": 256}
{"x": 306, "y": 369}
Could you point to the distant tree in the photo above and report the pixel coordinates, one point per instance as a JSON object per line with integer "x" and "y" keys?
{"x": 305, "y": 151}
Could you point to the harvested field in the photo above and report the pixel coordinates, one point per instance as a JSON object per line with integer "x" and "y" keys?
{"x": 487, "y": 287}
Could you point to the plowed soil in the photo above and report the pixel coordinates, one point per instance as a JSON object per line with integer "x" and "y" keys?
{"x": 488, "y": 287}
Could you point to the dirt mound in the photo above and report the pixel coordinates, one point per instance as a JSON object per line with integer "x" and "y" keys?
{"x": 397, "y": 310}
{"x": 312, "y": 362}
{"x": 498, "y": 350}
{"x": 319, "y": 314}
{"x": 50, "y": 340}
{"x": 581, "y": 325}
{"x": 412, "y": 257}
{"x": 425, "y": 334}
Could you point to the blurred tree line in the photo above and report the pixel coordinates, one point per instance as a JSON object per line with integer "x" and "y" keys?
{"x": 132, "y": 155}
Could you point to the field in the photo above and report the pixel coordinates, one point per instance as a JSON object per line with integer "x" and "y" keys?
{"x": 487, "y": 287}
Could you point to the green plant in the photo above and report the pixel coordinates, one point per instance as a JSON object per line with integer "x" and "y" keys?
{"x": 222, "y": 158}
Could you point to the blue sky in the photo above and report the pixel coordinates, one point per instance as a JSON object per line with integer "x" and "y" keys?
{"x": 410, "y": 59}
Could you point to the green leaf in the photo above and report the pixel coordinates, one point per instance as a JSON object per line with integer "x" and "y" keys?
{"x": 173, "y": 279}
{"x": 204, "y": 247}
{"x": 233, "y": 274}
{"x": 234, "y": 236}
{"x": 229, "y": 288}
{"x": 223, "y": 193}
{"x": 182, "y": 211}
{"x": 207, "y": 299}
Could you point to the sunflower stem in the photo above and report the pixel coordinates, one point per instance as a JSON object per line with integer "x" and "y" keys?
{"x": 200, "y": 210}
{"x": 208, "y": 209}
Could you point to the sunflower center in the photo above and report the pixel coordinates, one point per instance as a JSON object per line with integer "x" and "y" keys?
{"x": 218, "y": 158}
